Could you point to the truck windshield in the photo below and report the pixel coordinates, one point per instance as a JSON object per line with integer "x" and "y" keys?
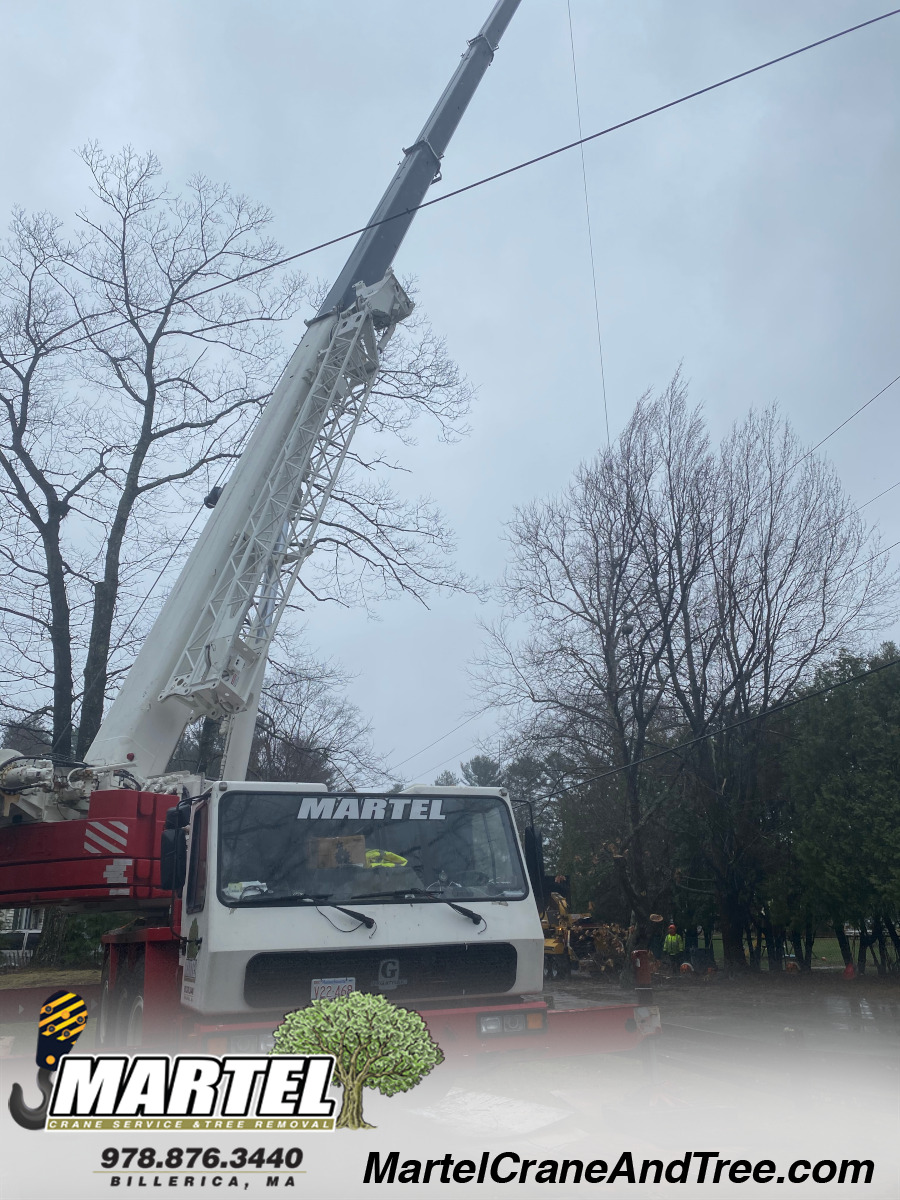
{"x": 384, "y": 848}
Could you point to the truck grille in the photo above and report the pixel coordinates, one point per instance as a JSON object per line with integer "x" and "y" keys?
{"x": 398, "y": 972}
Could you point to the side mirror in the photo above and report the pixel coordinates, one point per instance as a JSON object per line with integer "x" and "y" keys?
{"x": 173, "y": 849}
{"x": 534, "y": 861}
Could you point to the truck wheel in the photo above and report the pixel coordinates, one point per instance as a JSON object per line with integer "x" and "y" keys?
{"x": 106, "y": 1018}
{"x": 130, "y": 1007}
{"x": 134, "y": 1024}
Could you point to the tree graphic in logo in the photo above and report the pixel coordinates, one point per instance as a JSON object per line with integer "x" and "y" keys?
{"x": 375, "y": 1045}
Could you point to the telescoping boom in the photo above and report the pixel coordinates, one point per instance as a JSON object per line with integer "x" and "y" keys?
{"x": 206, "y": 654}
{"x": 259, "y": 897}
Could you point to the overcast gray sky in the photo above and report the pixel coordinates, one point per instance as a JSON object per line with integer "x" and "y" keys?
{"x": 751, "y": 234}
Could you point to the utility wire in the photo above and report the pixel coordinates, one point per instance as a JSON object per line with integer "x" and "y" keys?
{"x": 404, "y": 761}
{"x": 587, "y": 213}
{"x": 582, "y": 141}
{"x": 877, "y": 554}
{"x": 847, "y": 421}
{"x": 458, "y": 754}
{"x": 725, "y": 728}
{"x": 878, "y": 497}
{"x": 859, "y": 566}
{"x": 703, "y": 737}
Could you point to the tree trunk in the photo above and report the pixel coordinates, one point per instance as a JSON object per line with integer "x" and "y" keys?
{"x": 797, "y": 946}
{"x": 755, "y": 950}
{"x": 60, "y": 636}
{"x": 48, "y": 952}
{"x": 892, "y": 930}
{"x": 106, "y": 590}
{"x": 774, "y": 946}
{"x": 96, "y": 670}
{"x": 861, "y": 954}
{"x": 206, "y": 746}
{"x": 351, "y": 1110}
{"x": 809, "y": 938}
{"x": 843, "y": 942}
{"x": 878, "y": 935}
{"x": 730, "y": 919}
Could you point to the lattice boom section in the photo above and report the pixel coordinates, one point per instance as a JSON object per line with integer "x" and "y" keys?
{"x": 240, "y": 618}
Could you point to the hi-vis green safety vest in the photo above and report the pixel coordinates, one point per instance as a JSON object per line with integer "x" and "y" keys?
{"x": 384, "y": 858}
{"x": 674, "y": 943}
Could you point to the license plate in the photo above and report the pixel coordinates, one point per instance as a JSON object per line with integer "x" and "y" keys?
{"x": 331, "y": 989}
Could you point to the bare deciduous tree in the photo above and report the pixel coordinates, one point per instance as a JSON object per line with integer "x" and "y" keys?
{"x": 594, "y": 574}
{"x": 795, "y": 577}
{"x": 134, "y": 356}
{"x": 668, "y": 593}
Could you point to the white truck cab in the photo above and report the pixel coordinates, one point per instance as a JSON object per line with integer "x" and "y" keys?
{"x": 294, "y": 893}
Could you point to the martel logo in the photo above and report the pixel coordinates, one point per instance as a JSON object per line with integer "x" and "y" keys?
{"x": 388, "y": 974}
{"x": 104, "y": 1092}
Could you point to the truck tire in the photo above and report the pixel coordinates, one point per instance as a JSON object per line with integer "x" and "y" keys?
{"x": 557, "y": 966}
{"x": 105, "y": 1037}
{"x": 134, "y": 1022}
{"x": 129, "y": 1006}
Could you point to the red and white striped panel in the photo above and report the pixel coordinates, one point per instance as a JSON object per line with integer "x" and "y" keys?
{"x": 106, "y": 837}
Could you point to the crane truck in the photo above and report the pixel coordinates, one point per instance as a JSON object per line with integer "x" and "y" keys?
{"x": 251, "y": 898}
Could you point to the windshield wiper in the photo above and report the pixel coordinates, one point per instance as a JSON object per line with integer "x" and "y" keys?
{"x": 423, "y": 894}
{"x": 309, "y": 898}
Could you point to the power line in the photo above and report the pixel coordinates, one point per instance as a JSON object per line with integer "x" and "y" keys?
{"x": 859, "y": 566}
{"x": 877, "y": 554}
{"x": 458, "y": 754}
{"x": 703, "y": 737}
{"x": 587, "y": 213}
{"x": 847, "y": 421}
{"x": 725, "y": 728}
{"x": 404, "y": 761}
{"x": 878, "y": 497}
{"x": 580, "y": 142}
{"x": 521, "y": 166}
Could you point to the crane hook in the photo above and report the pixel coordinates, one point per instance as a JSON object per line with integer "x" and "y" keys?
{"x": 31, "y": 1118}
{"x": 62, "y": 1020}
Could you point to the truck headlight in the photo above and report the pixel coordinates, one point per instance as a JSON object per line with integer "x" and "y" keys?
{"x": 250, "y": 1042}
{"x": 243, "y": 1043}
{"x": 488, "y": 1025}
{"x": 511, "y": 1023}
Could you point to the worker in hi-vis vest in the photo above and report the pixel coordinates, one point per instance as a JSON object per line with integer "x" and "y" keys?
{"x": 673, "y": 946}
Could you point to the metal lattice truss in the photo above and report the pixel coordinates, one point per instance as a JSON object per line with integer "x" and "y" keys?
{"x": 236, "y": 627}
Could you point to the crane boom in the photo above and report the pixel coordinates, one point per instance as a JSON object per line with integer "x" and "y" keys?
{"x": 206, "y": 653}
{"x": 374, "y": 252}
{"x": 235, "y": 883}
